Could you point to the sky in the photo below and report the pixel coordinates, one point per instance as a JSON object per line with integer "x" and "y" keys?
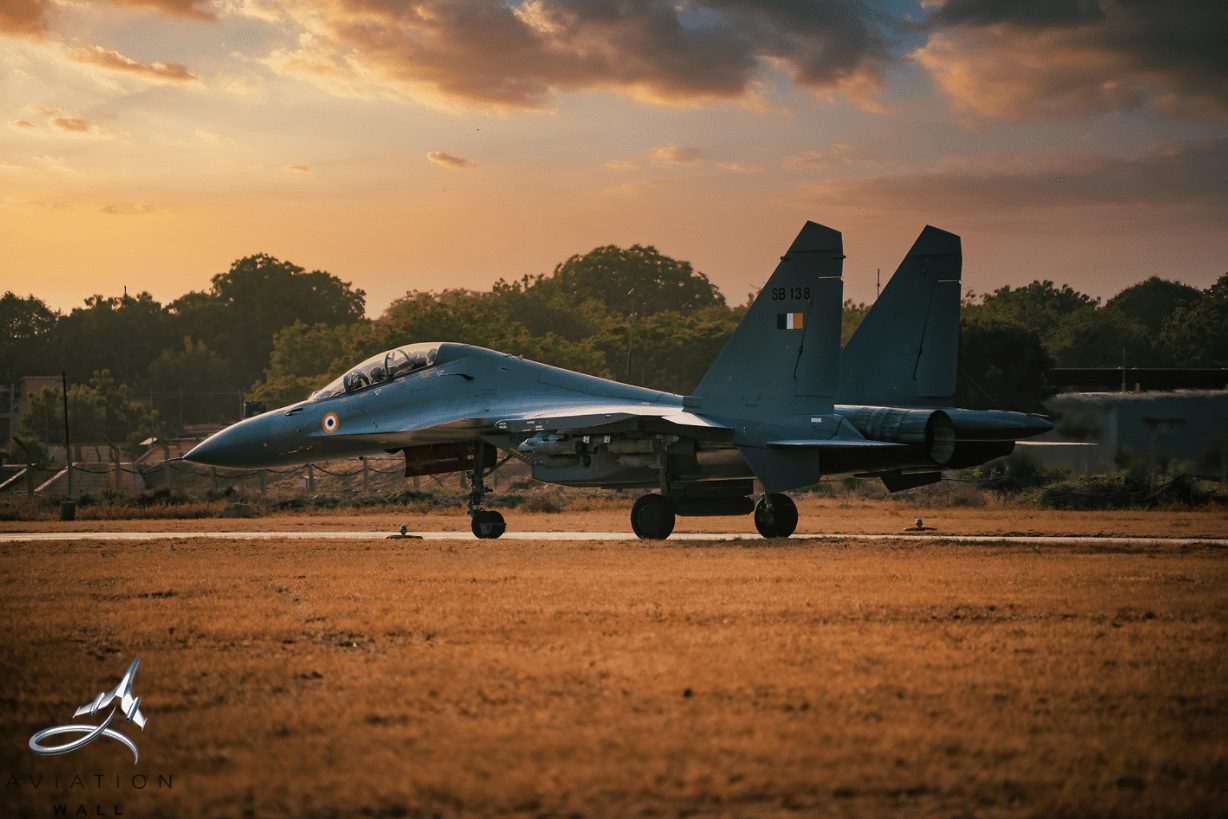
{"x": 147, "y": 144}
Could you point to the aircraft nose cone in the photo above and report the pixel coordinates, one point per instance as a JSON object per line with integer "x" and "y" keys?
{"x": 237, "y": 445}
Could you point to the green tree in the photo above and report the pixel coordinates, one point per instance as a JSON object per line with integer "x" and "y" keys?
{"x": 850, "y": 319}
{"x": 1002, "y": 365}
{"x": 1040, "y": 306}
{"x": 637, "y": 280}
{"x": 670, "y": 350}
{"x": 27, "y": 334}
{"x": 121, "y": 334}
{"x": 192, "y": 384}
{"x": 544, "y": 308}
{"x": 1197, "y": 336}
{"x": 483, "y": 319}
{"x": 1152, "y": 301}
{"x": 1100, "y": 337}
{"x": 102, "y": 410}
{"x": 246, "y": 306}
{"x": 305, "y": 358}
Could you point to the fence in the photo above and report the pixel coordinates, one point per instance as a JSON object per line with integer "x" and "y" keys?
{"x": 345, "y": 478}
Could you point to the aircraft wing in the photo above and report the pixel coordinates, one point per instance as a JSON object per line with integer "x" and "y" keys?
{"x": 596, "y": 417}
{"x": 832, "y": 443}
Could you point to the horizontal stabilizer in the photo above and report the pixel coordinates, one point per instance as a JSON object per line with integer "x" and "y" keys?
{"x": 897, "y": 481}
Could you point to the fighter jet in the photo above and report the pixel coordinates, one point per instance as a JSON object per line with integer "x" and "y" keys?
{"x": 781, "y": 404}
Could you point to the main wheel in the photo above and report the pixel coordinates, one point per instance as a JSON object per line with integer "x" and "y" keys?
{"x": 652, "y": 517}
{"x": 775, "y": 515}
{"x": 487, "y": 523}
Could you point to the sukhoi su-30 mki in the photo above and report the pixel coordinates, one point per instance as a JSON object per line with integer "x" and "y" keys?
{"x": 782, "y": 403}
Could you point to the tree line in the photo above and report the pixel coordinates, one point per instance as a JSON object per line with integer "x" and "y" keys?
{"x": 272, "y": 331}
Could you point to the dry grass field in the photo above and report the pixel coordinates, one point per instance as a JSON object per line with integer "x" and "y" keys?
{"x": 747, "y": 678}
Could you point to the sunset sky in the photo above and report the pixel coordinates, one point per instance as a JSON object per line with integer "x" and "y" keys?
{"x": 448, "y": 143}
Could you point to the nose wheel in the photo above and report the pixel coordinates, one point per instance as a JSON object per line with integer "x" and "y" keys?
{"x": 487, "y": 523}
{"x": 484, "y": 523}
{"x": 775, "y": 515}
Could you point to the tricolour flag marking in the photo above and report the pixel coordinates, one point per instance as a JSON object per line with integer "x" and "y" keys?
{"x": 790, "y": 321}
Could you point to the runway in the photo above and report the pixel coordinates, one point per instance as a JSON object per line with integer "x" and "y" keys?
{"x": 685, "y": 537}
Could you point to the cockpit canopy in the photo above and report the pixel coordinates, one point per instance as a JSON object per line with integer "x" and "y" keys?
{"x": 380, "y": 368}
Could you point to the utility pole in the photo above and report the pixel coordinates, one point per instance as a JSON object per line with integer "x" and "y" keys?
{"x": 878, "y": 282}
{"x": 67, "y": 440}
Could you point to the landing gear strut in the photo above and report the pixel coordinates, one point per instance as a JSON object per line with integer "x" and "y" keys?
{"x": 775, "y": 515}
{"x": 652, "y": 517}
{"x": 485, "y": 523}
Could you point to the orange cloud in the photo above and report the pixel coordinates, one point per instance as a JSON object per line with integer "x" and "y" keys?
{"x": 452, "y": 163}
{"x": 675, "y": 155}
{"x": 30, "y": 17}
{"x": 129, "y": 209}
{"x": 296, "y": 169}
{"x": 24, "y": 123}
{"x": 1028, "y": 61}
{"x": 25, "y": 17}
{"x": 75, "y": 125}
{"x": 200, "y": 9}
{"x": 97, "y": 55}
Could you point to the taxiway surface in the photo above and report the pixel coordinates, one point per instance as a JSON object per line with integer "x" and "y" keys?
{"x": 916, "y": 537}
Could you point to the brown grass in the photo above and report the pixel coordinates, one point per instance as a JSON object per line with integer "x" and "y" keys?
{"x": 394, "y": 678}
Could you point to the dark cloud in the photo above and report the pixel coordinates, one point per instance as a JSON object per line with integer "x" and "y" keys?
{"x": 1030, "y": 60}
{"x": 822, "y": 43}
{"x": 518, "y": 55}
{"x": 1190, "y": 174}
{"x": 1037, "y": 13}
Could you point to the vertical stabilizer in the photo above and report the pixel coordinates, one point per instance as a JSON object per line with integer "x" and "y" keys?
{"x": 785, "y": 353}
{"x": 906, "y": 349}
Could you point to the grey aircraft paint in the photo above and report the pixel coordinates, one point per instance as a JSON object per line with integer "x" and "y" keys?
{"x": 781, "y": 404}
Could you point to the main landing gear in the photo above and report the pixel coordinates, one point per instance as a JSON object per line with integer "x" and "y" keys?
{"x": 775, "y": 515}
{"x": 653, "y": 516}
{"x": 485, "y": 523}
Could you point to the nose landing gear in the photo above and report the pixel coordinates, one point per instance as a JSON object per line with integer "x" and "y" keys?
{"x": 484, "y": 523}
{"x": 487, "y": 523}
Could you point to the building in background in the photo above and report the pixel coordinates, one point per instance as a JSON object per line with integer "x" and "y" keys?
{"x": 1183, "y": 431}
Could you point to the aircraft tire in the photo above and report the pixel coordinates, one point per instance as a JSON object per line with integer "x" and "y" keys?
{"x": 652, "y": 517}
{"x": 778, "y": 521}
{"x": 487, "y": 524}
